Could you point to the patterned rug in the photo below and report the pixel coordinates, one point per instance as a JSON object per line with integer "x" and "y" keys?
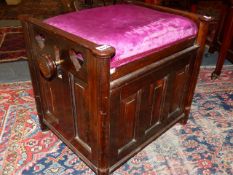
{"x": 203, "y": 146}
{"x": 12, "y": 46}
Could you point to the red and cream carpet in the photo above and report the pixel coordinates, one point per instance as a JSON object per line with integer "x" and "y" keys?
{"x": 12, "y": 46}
{"x": 203, "y": 146}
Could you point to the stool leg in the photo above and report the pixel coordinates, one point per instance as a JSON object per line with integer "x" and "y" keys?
{"x": 184, "y": 121}
{"x": 43, "y": 127}
{"x": 225, "y": 46}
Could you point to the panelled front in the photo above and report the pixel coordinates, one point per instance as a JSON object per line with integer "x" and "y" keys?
{"x": 154, "y": 104}
{"x": 143, "y": 107}
{"x": 178, "y": 89}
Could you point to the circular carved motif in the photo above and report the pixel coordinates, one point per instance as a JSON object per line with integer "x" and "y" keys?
{"x": 47, "y": 66}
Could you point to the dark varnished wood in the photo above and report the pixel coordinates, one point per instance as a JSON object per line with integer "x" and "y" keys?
{"x": 47, "y": 66}
{"x": 142, "y": 106}
{"x": 106, "y": 117}
{"x": 195, "y": 65}
{"x": 226, "y": 44}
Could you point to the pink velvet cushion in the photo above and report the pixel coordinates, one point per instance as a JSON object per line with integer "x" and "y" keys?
{"x": 131, "y": 29}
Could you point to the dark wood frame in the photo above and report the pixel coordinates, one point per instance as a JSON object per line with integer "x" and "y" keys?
{"x": 102, "y": 115}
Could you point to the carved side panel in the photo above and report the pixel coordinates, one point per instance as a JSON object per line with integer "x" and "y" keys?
{"x": 57, "y": 104}
{"x": 63, "y": 98}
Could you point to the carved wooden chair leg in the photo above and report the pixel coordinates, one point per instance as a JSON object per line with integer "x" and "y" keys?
{"x": 214, "y": 44}
{"x": 225, "y": 46}
{"x": 214, "y": 75}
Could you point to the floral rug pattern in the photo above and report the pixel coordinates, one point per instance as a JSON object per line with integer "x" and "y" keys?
{"x": 203, "y": 146}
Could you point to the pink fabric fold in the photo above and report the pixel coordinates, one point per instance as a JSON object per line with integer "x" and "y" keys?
{"x": 132, "y": 30}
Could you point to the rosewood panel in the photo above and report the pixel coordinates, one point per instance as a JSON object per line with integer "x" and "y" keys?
{"x": 156, "y": 104}
{"x": 57, "y": 104}
{"x": 81, "y": 115}
{"x": 129, "y": 110}
{"x": 144, "y": 105}
{"x": 124, "y": 130}
{"x": 178, "y": 91}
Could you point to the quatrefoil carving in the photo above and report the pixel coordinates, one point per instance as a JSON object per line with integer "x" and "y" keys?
{"x": 77, "y": 59}
{"x": 40, "y": 41}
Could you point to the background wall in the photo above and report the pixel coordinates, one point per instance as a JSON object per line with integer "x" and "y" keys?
{"x": 38, "y": 8}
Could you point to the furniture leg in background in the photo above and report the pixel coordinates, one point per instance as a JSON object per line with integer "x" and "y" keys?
{"x": 227, "y": 39}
